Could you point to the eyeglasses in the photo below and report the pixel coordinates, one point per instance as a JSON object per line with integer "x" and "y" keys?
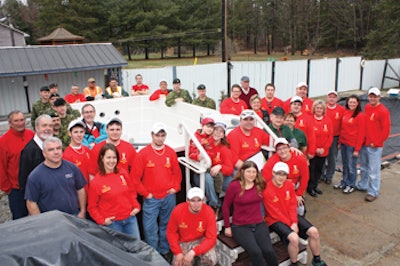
{"x": 236, "y": 91}
{"x": 88, "y": 112}
{"x": 282, "y": 148}
{"x": 195, "y": 200}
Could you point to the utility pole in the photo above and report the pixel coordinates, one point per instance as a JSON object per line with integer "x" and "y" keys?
{"x": 224, "y": 30}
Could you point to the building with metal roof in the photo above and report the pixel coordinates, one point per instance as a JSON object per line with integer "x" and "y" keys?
{"x": 23, "y": 70}
{"x": 61, "y": 36}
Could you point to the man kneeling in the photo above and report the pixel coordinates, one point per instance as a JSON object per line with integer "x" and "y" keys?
{"x": 281, "y": 215}
{"x": 192, "y": 231}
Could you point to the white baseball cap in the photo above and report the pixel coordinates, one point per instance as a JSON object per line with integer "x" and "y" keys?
{"x": 280, "y": 141}
{"x": 158, "y": 126}
{"x": 302, "y": 84}
{"x": 74, "y": 123}
{"x": 195, "y": 192}
{"x": 281, "y": 167}
{"x": 296, "y": 99}
{"x": 332, "y": 92}
{"x": 375, "y": 91}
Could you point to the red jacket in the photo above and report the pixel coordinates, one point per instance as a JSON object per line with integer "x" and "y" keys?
{"x": 323, "y": 134}
{"x": 157, "y": 93}
{"x": 156, "y": 172}
{"x": 298, "y": 171}
{"x": 70, "y": 98}
{"x": 305, "y": 123}
{"x": 230, "y": 107}
{"x": 352, "y": 132}
{"x": 378, "y": 125}
{"x": 336, "y": 115}
{"x": 112, "y": 195}
{"x": 207, "y": 141}
{"x": 11, "y": 145}
{"x": 184, "y": 226}
{"x": 280, "y": 204}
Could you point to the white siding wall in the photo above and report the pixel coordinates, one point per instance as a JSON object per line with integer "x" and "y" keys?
{"x": 287, "y": 75}
{"x": 349, "y": 73}
{"x": 389, "y": 83}
{"x": 322, "y": 76}
{"x": 373, "y": 73}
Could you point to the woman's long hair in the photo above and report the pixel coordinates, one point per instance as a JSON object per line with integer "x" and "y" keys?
{"x": 358, "y": 108}
{"x": 103, "y": 150}
{"x": 259, "y": 182}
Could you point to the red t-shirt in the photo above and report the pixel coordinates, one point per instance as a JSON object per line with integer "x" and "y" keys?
{"x": 184, "y": 226}
{"x": 305, "y": 123}
{"x": 70, "y": 98}
{"x": 336, "y": 115}
{"x": 127, "y": 156}
{"x": 378, "y": 125}
{"x": 80, "y": 157}
{"x": 140, "y": 88}
{"x": 298, "y": 171}
{"x": 112, "y": 195}
{"x": 228, "y": 106}
{"x": 269, "y": 106}
{"x": 280, "y": 204}
{"x": 157, "y": 93}
{"x": 156, "y": 172}
{"x": 305, "y": 108}
{"x": 207, "y": 141}
{"x": 242, "y": 146}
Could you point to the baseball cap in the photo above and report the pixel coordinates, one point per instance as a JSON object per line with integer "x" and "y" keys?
{"x": 157, "y": 127}
{"x": 52, "y": 85}
{"x": 375, "y": 91}
{"x": 296, "y": 99}
{"x": 278, "y": 111}
{"x": 280, "y": 141}
{"x": 53, "y": 114}
{"x": 91, "y": 80}
{"x": 245, "y": 79}
{"x": 74, "y": 123}
{"x": 176, "y": 81}
{"x": 163, "y": 80}
{"x": 60, "y": 102}
{"x": 301, "y": 84}
{"x": 220, "y": 124}
{"x": 201, "y": 87}
{"x": 246, "y": 114}
{"x": 54, "y": 95}
{"x": 332, "y": 91}
{"x": 281, "y": 167}
{"x": 114, "y": 119}
{"x": 44, "y": 88}
{"x": 207, "y": 120}
{"x": 195, "y": 192}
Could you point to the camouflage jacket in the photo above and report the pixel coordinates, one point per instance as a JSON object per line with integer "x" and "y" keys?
{"x": 175, "y": 95}
{"x": 38, "y": 108}
{"x": 208, "y": 103}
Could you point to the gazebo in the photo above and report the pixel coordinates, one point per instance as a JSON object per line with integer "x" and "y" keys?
{"x": 61, "y": 36}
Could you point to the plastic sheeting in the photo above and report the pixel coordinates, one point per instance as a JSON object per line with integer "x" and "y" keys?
{"x": 56, "y": 238}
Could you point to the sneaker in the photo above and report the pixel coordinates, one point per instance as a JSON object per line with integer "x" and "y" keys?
{"x": 320, "y": 263}
{"x": 328, "y": 181}
{"x": 348, "y": 189}
{"x": 338, "y": 186}
{"x": 370, "y": 198}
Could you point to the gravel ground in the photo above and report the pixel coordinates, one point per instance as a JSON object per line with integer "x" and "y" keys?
{"x": 5, "y": 214}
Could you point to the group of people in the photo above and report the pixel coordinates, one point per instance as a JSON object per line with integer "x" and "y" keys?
{"x": 84, "y": 168}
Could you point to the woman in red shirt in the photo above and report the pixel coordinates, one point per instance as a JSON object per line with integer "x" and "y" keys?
{"x": 351, "y": 138}
{"x": 255, "y": 103}
{"x": 112, "y": 198}
{"x": 323, "y": 138}
{"x": 248, "y": 227}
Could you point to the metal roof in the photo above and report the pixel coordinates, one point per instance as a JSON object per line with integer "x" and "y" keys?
{"x": 45, "y": 59}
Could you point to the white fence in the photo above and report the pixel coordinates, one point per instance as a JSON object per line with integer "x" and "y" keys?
{"x": 322, "y": 75}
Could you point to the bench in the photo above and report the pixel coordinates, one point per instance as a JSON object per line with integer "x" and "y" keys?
{"x": 233, "y": 254}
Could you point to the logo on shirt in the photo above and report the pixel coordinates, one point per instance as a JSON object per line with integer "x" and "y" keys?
{"x": 301, "y": 123}
{"x": 372, "y": 117}
{"x": 167, "y": 163}
{"x": 245, "y": 145}
{"x": 69, "y": 175}
{"x": 287, "y": 195}
{"x": 150, "y": 164}
{"x": 183, "y": 225}
{"x": 337, "y": 116}
{"x": 325, "y": 128}
{"x": 123, "y": 159}
{"x": 78, "y": 163}
{"x": 295, "y": 169}
{"x": 275, "y": 199}
{"x": 256, "y": 143}
{"x": 200, "y": 227}
{"x": 217, "y": 158}
{"x": 105, "y": 188}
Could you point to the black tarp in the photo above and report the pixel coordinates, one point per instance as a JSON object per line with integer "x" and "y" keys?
{"x": 56, "y": 238}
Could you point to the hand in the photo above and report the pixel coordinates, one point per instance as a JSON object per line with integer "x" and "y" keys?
{"x": 188, "y": 258}
{"x": 171, "y": 191}
{"x": 300, "y": 200}
{"x": 134, "y": 211}
{"x": 150, "y": 196}
{"x": 215, "y": 169}
{"x": 355, "y": 153}
{"x": 109, "y": 220}
{"x": 81, "y": 215}
{"x": 178, "y": 260}
{"x": 296, "y": 151}
{"x": 295, "y": 228}
{"x": 179, "y": 100}
{"x": 310, "y": 156}
{"x": 228, "y": 232}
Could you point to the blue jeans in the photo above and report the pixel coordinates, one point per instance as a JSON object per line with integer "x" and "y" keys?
{"x": 370, "y": 161}
{"x": 17, "y": 204}
{"x": 155, "y": 235}
{"x": 128, "y": 226}
{"x": 212, "y": 196}
{"x": 331, "y": 159}
{"x": 349, "y": 166}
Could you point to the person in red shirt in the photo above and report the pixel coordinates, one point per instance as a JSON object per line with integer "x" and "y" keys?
{"x": 299, "y": 172}
{"x": 11, "y": 144}
{"x": 351, "y": 138}
{"x": 126, "y": 151}
{"x": 139, "y": 88}
{"x": 377, "y": 131}
{"x": 191, "y": 231}
{"x": 75, "y": 152}
{"x": 304, "y": 123}
{"x": 335, "y": 112}
{"x": 255, "y": 103}
{"x": 112, "y": 197}
{"x": 157, "y": 177}
{"x": 323, "y": 139}
{"x": 247, "y": 91}
{"x": 279, "y": 200}
{"x": 233, "y": 105}
{"x": 302, "y": 92}
{"x": 75, "y": 96}
{"x": 269, "y": 102}
{"x": 163, "y": 90}
{"x": 248, "y": 228}
{"x": 204, "y": 136}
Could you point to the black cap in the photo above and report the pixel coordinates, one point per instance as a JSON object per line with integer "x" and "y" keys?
{"x": 44, "y": 88}
{"x": 53, "y": 114}
{"x": 52, "y": 85}
{"x": 278, "y": 111}
{"x": 54, "y": 95}
{"x": 176, "y": 81}
{"x": 201, "y": 87}
{"x": 60, "y": 102}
